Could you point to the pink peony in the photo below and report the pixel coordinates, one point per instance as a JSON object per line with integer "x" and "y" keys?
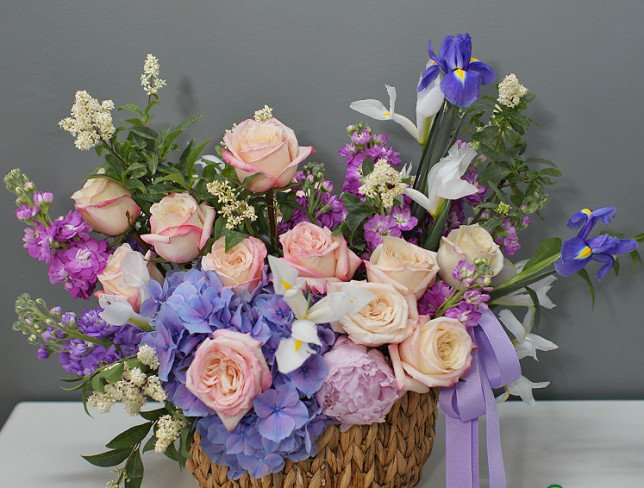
{"x": 360, "y": 387}
{"x": 227, "y": 373}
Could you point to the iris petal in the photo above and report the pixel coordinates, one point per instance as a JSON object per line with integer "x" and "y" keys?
{"x": 608, "y": 261}
{"x": 461, "y": 88}
{"x": 567, "y": 268}
{"x": 572, "y": 248}
{"x": 428, "y": 76}
{"x": 487, "y": 74}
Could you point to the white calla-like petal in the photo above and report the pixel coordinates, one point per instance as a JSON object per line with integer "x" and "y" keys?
{"x": 305, "y": 331}
{"x": 291, "y": 353}
{"x": 428, "y": 103}
{"x": 511, "y": 323}
{"x": 527, "y": 343}
{"x": 116, "y": 310}
{"x": 523, "y": 388}
{"x": 284, "y": 275}
{"x": 135, "y": 270}
{"x": 371, "y": 108}
{"x": 338, "y": 304}
{"x": 520, "y": 298}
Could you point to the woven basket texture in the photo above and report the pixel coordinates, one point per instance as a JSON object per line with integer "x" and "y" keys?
{"x": 389, "y": 454}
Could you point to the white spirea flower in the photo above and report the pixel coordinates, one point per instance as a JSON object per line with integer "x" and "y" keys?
{"x": 154, "y": 390}
{"x": 90, "y": 121}
{"x": 263, "y": 114}
{"x": 112, "y": 484}
{"x": 168, "y": 430}
{"x": 384, "y": 182}
{"x": 511, "y": 91}
{"x": 233, "y": 209}
{"x": 150, "y": 80}
{"x": 136, "y": 377}
{"x": 148, "y": 356}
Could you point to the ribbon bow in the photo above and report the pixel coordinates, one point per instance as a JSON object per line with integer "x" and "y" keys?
{"x": 494, "y": 364}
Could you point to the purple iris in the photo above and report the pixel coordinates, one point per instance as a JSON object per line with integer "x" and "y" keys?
{"x": 463, "y": 74}
{"x": 578, "y": 251}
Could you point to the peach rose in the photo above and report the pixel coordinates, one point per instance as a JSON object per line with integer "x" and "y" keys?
{"x": 390, "y": 318}
{"x": 267, "y": 148}
{"x": 227, "y": 373}
{"x": 107, "y": 206}
{"x": 411, "y": 269}
{"x": 180, "y": 227}
{"x": 241, "y": 267}
{"x": 318, "y": 254}
{"x": 117, "y": 280}
{"x": 468, "y": 242}
{"x": 438, "y": 353}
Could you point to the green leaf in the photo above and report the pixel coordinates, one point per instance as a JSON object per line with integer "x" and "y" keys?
{"x": 149, "y": 445}
{"x": 131, "y": 107}
{"x": 153, "y": 415}
{"x": 109, "y": 458}
{"x": 131, "y": 437}
{"x": 616, "y": 266}
{"x": 218, "y": 228}
{"x": 134, "y": 466}
{"x": 583, "y": 274}
{"x": 537, "y": 306}
{"x": 171, "y": 452}
{"x": 97, "y": 383}
{"x": 547, "y": 251}
{"x": 636, "y": 258}
{"x": 232, "y": 238}
{"x": 145, "y": 132}
{"x": 639, "y": 237}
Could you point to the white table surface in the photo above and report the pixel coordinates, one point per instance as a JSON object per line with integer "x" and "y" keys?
{"x": 574, "y": 444}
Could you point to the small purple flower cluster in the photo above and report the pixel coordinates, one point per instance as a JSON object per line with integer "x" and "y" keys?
{"x": 393, "y": 224}
{"x": 65, "y": 245}
{"x": 507, "y": 237}
{"x": 83, "y": 357}
{"x": 456, "y": 215}
{"x": 364, "y": 144}
{"x": 324, "y": 208}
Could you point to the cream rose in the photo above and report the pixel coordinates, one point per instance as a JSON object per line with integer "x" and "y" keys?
{"x": 468, "y": 242}
{"x": 389, "y": 318}
{"x": 269, "y": 149}
{"x": 241, "y": 267}
{"x": 227, "y": 373}
{"x": 438, "y": 353}
{"x": 411, "y": 269}
{"x": 316, "y": 253}
{"x": 125, "y": 275}
{"x": 180, "y": 227}
{"x": 107, "y": 206}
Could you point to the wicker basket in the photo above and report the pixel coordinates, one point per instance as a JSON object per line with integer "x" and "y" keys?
{"x": 390, "y": 454}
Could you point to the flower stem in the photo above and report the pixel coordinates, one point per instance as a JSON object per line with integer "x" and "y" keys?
{"x": 272, "y": 219}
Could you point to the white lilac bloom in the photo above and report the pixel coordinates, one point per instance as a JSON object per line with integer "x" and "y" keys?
{"x": 522, "y": 388}
{"x": 444, "y": 180}
{"x": 526, "y": 343}
{"x": 293, "y": 351}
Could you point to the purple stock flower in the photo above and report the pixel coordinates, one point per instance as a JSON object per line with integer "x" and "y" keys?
{"x": 508, "y": 238}
{"x": 379, "y": 226}
{"x": 380, "y": 151}
{"x": 82, "y": 263}
{"x": 335, "y": 214}
{"x": 43, "y": 352}
{"x": 26, "y": 212}
{"x": 361, "y": 138}
{"x": 468, "y": 315}
{"x": 39, "y": 241}
{"x": 403, "y": 218}
{"x": 463, "y": 270}
{"x": 471, "y": 176}
{"x": 433, "y": 298}
{"x": 280, "y": 411}
{"x": 43, "y": 197}
{"x": 70, "y": 226}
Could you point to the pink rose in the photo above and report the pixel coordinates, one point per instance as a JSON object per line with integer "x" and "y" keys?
{"x": 107, "y": 206}
{"x": 389, "y": 318}
{"x": 267, "y": 148}
{"x": 117, "y": 280}
{"x": 411, "y": 269}
{"x": 360, "y": 387}
{"x": 180, "y": 227}
{"x": 316, "y": 253}
{"x": 227, "y": 373}
{"x": 438, "y": 353}
{"x": 241, "y": 267}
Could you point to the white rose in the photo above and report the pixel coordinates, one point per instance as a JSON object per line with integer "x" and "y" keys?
{"x": 468, "y": 242}
{"x": 411, "y": 269}
{"x": 389, "y": 319}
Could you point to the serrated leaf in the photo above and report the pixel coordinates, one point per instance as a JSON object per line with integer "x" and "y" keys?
{"x": 583, "y": 274}
{"x": 131, "y": 437}
{"x": 109, "y": 458}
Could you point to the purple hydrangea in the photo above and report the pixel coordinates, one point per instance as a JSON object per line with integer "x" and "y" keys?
{"x": 279, "y": 412}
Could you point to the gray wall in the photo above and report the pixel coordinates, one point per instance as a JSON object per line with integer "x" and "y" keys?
{"x": 308, "y": 60}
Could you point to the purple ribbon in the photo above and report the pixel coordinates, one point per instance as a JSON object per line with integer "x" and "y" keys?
{"x": 494, "y": 364}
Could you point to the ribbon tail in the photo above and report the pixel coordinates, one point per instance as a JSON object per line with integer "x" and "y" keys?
{"x": 461, "y": 453}
{"x": 495, "y": 464}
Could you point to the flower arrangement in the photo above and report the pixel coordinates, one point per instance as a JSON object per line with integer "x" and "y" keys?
{"x": 259, "y": 307}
